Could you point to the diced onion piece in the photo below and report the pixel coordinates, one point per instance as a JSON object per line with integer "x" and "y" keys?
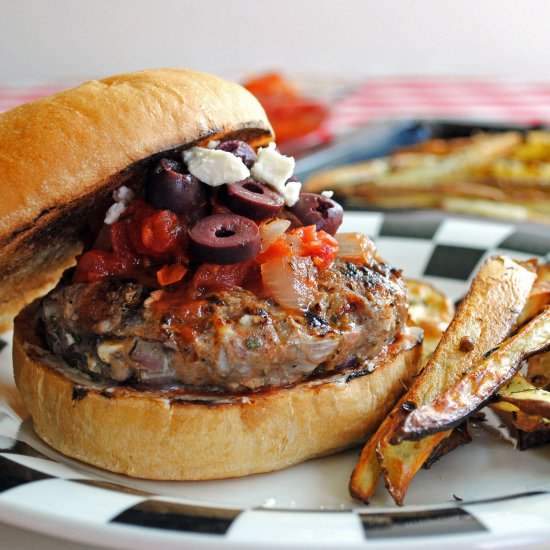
{"x": 355, "y": 247}
{"x": 270, "y": 231}
{"x": 290, "y": 281}
{"x": 318, "y": 349}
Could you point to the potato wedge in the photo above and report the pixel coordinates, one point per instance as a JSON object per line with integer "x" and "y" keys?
{"x": 504, "y": 175}
{"x": 484, "y": 318}
{"x": 538, "y": 371}
{"x": 529, "y": 431}
{"x": 367, "y": 471}
{"x": 430, "y": 310}
{"x": 461, "y": 435}
{"x": 538, "y": 299}
{"x": 530, "y": 423}
{"x": 520, "y": 395}
{"x": 472, "y": 390}
{"x": 424, "y": 173}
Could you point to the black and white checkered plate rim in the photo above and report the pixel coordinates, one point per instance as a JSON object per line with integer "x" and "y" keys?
{"x": 53, "y": 496}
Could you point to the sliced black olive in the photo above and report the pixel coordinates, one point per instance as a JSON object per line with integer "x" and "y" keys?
{"x": 253, "y": 199}
{"x": 225, "y": 239}
{"x": 168, "y": 187}
{"x": 240, "y": 149}
{"x": 324, "y": 213}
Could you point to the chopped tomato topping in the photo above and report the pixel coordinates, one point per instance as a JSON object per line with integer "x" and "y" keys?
{"x": 95, "y": 265}
{"x": 160, "y": 231}
{"x": 120, "y": 239}
{"x": 138, "y": 246}
{"x": 169, "y": 274}
{"x": 281, "y": 247}
{"x": 319, "y": 245}
{"x": 212, "y": 277}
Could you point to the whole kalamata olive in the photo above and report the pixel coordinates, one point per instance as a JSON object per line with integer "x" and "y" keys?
{"x": 225, "y": 239}
{"x": 252, "y": 199}
{"x": 168, "y": 187}
{"x": 240, "y": 149}
{"x": 324, "y": 213}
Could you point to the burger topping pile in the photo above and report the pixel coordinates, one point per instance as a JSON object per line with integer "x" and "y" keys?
{"x": 211, "y": 210}
{"x": 220, "y": 275}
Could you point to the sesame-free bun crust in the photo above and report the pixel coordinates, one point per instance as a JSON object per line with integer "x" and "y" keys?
{"x": 149, "y": 435}
{"x": 59, "y": 156}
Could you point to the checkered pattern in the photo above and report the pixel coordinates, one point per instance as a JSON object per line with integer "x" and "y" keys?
{"x": 476, "y": 100}
{"x": 14, "y": 94}
{"x": 429, "y": 245}
{"x": 388, "y": 98}
{"x": 27, "y": 481}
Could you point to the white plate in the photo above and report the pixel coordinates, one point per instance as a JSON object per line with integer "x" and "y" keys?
{"x": 485, "y": 494}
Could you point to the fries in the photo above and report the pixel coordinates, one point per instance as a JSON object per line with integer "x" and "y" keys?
{"x": 538, "y": 299}
{"x": 504, "y": 175}
{"x": 481, "y": 383}
{"x": 484, "y": 318}
{"x": 430, "y": 310}
{"x": 428, "y": 169}
{"x": 538, "y": 371}
{"x": 461, "y": 435}
{"x": 520, "y": 395}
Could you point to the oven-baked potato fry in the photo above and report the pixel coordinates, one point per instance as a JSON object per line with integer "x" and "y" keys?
{"x": 427, "y": 170}
{"x": 472, "y": 390}
{"x": 538, "y": 371}
{"x": 430, "y": 310}
{"x": 484, "y": 318}
{"x": 520, "y": 395}
{"x": 503, "y": 175}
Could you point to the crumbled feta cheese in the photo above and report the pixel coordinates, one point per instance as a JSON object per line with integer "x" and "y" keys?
{"x": 291, "y": 192}
{"x": 250, "y": 320}
{"x": 215, "y": 167}
{"x": 213, "y": 144}
{"x": 123, "y": 197}
{"x": 272, "y": 168}
{"x": 153, "y": 297}
{"x": 247, "y": 321}
{"x": 327, "y": 194}
{"x": 114, "y": 212}
{"x": 107, "y": 349}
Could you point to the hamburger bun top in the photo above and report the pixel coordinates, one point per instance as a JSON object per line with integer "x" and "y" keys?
{"x": 61, "y": 155}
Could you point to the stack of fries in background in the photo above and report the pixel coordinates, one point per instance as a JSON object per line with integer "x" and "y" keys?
{"x": 502, "y": 175}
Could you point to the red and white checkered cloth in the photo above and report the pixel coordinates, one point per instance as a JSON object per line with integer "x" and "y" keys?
{"x": 443, "y": 98}
{"x": 391, "y": 98}
{"x": 13, "y": 94}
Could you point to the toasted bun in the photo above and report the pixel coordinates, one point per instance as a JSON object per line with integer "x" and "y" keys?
{"x": 157, "y": 436}
{"x": 60, "y": 155}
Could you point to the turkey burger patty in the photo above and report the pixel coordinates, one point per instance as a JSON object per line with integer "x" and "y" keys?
{"x": 226, "y": 340}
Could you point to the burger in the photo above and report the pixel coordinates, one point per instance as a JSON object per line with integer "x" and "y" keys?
{"x": 208, "y": 321}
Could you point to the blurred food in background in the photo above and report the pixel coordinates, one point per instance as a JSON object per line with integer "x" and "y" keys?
{"x": 503, "y": 175}
{"x": 293, "y": 115}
